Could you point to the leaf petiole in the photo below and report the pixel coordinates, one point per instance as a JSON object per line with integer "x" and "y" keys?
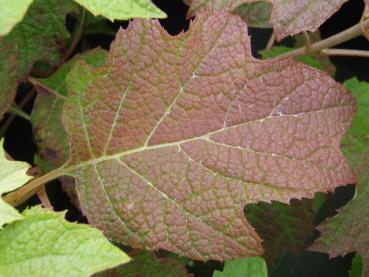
{"x": 21, "y": 195}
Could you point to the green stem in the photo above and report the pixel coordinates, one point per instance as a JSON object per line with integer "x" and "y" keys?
{"x": 77, "y": 36}
{"x": 17, "y": 111}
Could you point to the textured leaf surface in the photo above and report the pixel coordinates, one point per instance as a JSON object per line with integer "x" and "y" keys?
{"x": 288, "y": 17}
{"x": 145, "y": 264}
{"x": 122, "y": 10}
{"x": 172, "y": 136}
{"x": 254, "y": 267}
{"x": 44, "y": 244}
{"x": 282, "y": 227}
{"x": 52, "y": 142}
{"x": 11, "y": 13}
{"x": 39, "y": 36}
{"x": 349, "y": 230}
{"x": 12, "y": 176}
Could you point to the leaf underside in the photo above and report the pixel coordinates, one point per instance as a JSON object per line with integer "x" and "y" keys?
{"x": 172, "y": 136}
{"x": 288, "y": 17}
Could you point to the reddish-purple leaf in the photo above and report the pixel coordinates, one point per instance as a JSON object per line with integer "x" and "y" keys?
{"x": 288, "y": 17}
{"x": 172, "y": 136}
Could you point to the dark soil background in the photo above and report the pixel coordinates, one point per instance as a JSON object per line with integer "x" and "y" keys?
{"x": 19, "y": 142}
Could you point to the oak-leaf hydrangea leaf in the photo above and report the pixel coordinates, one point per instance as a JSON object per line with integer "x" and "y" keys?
{"x": 174, "y": 135}
{"x": 348, "y": 231}
{"x": 287, "y": 17}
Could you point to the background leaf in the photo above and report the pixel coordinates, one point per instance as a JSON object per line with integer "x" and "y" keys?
{"x": 39, "y": 36}
{"x": 12, "y": 176}
{"x": 288, "y": 17}
{"x": 44, "y": 244}
{"x": 349, "y": 230}
{"x": 48, "y": 131}
{"x": 122, "y": 10}
{"x": 11, "y": 13}
{"x": 145, "y": 264}
{"x": 254, "y": 267}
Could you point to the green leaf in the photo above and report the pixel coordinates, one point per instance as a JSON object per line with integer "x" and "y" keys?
{"x": 122, "y": 10}
{"x": 44, "y": 244}
{"x": 356, "y": 266}
{"x": 11, "y": 13}
{"x": 349, "y": 230}
{"x": 40, "y": 35}
{"x": 48, "y": 131}
{"x": 12, "y": 176}
{"x": 278, "y": 50}
{"x": 145, "y": 264}
{"x": 253, "y": 267}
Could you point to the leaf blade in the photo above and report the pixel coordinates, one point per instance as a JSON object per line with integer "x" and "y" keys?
{"x": 56, "y": 247}
{"x": 12, "y": 176}
{"x": 122, "y": 10}
{"x": 11, "y": 13}
{"x": 125, "y": 144}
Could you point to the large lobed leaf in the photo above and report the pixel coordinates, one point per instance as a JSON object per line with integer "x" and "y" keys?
{"x": 349, "y": 230}
{"x": 39, "y": 36}
{"x": 288, "y": 17}
{"x": 13, "y": 174}
{"x": 172, "y": 136}
{"x": 44, "y": 244}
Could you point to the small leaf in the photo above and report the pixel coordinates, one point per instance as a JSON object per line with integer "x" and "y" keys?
{"x": 349, "y": 230}
{"x": 44, "y": 244}
{"x": 40, "y": 35}
{"x": 356, "y": 266}
{"x": 253, "y": 267}
{"x": 122, "y": 10}
{"x": 171, "y": 149}
{"x": 11, "y": 13}
{"x": 145, "y": 264}
{"x": 12, "y": 176}
{"x": 288, "y": 17}
{"x": 278, "y": 50}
